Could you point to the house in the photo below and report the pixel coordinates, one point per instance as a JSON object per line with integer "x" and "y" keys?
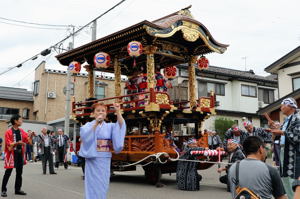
{"x": 239, "y": 93}
{"x": 287, "y": 68}
{"x": 14, "y": 101}
{"x": 49, "y": 91}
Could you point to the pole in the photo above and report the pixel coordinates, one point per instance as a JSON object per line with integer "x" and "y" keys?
{"x": 68, "y": 94}
{"x": 94, "y": 36}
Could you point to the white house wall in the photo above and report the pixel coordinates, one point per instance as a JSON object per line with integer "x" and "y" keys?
{"x": 285, "y": 80}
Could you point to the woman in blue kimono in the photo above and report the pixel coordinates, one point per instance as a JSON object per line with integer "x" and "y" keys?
{"x": 98, "y": 138}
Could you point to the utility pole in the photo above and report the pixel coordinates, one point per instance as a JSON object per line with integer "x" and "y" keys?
{"x": 68, "y": 94}
{"x": 94, "y": 36}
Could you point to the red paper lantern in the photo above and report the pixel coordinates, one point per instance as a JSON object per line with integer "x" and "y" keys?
{"x": 170, "y": 72}
{"x": 102, "y": 60}
{"x": 203, "y": 63}
{"x": 134, "y": 48}
{"x": 75, "y": 67}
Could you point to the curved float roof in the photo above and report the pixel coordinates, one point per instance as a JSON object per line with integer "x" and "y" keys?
{"x": 178, "y": 33}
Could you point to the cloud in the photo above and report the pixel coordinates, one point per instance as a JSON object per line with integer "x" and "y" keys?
{"x": 263, "y": 31}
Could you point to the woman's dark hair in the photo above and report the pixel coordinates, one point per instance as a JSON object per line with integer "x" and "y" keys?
{"x": 252, "y": 144}
{"x": 14, "y": 118}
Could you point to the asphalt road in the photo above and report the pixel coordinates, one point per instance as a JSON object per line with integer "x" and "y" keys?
{"x": 67, "y": 184}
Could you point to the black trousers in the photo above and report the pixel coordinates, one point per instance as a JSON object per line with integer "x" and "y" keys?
{"x": 61, "y": 157}
{"x": 224, "y": 180}
{"x": 19, "y": 170}
{"x": 47, "y": 157}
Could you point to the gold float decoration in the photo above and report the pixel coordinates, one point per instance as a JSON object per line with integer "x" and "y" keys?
{"x": 162, "y": 98}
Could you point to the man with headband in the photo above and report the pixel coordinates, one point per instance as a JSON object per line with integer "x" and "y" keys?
{"x": 257, "y": 131}
{"x": 235, "y": 133}
{"x": 235, "y": 154}
{"x": 290, "y": 142}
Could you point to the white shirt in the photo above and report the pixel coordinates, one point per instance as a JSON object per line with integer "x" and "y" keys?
{"x": 46, "y": 140}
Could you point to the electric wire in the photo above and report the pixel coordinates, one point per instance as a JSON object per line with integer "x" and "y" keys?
{"x": 72, "y": 34}
{"x": 32, "y": 23}
{"x": 44, "y": 28}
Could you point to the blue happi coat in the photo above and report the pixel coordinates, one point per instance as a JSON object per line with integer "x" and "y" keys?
{"x": 97, "y": 168}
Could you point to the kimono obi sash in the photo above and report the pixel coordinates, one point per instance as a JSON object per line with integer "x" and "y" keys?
{"x": 104, "y": 145}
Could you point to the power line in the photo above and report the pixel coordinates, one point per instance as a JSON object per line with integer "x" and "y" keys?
{"x": 90, "y": 22}
{"x": 32, "y": 23}
{"x": 45, "y": 28}
{"x": 48, "y": 50}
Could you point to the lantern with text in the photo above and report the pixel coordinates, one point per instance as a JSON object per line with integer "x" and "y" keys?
{"x": 170, "y": 72}
{"x": 134, "y": 49}
{"x": 102, "y": 60}
{"x": 203, "y": 63}
{"x": 75, "y": 67}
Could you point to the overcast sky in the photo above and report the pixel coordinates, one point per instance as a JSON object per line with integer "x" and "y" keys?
{"x": 261, "y": 30}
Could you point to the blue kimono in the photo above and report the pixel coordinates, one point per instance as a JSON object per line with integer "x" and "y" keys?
{"x": 95, "y": 148}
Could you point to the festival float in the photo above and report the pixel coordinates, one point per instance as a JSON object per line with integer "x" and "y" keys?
{"x": 147, "y": 53}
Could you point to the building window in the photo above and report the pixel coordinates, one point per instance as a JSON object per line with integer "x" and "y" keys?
{"x": 25, "y": 113}
{"x": 100, "y": 92}
{"x": 296, "y": 83}
{"x": 266, "y": 95}
{"x": 6, "y": 113}
{"x": 204, "y": 89}
{"x": 179, "y": 93}
{"x": 36, "y": 87}
{"x": 249, "y": 91}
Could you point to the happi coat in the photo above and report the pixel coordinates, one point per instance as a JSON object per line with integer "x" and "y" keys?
{"x": 9, "y": 161}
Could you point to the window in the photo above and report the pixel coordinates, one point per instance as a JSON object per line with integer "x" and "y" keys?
{"x": 36, "y": 87}
{"x": 179, "y": 93}
{"x": 296, "y": 83}
{"x": 100, "y": 92}
{"x": 249, "y": 91}
{"x": 6, "y": 113}
{"x": 266, "y": 95}
{"x": 204, "y": 89}
{"x": 25, "y": 113}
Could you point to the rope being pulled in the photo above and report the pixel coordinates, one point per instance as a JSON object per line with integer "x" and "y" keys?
{"x": 157, "y": 157}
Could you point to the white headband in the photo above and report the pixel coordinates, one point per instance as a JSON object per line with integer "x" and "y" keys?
{"x": 290, "y": 102}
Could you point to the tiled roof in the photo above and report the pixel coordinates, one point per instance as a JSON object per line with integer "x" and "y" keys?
{"x": 19, "y": 94}
{"x": 238, "y": 74}
{"x": 283, "y": 60}
{"x": 242, "y": 74}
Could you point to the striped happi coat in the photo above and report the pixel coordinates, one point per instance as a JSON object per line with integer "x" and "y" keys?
{"x": 291, "y": 162}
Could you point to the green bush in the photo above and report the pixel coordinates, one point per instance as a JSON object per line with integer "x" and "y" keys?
{"x": 222, "y": 125}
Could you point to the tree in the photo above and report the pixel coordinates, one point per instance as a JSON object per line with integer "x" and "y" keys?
{"x": 222, "y": 125}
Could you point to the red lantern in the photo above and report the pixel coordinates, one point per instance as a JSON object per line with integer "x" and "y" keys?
{"x": 75, "y": 67}
{"x": 102, "y": 60}
{"x": 134, "y": 48}
{"x": 170, "y": 72}
{"x": 203, "y": 63}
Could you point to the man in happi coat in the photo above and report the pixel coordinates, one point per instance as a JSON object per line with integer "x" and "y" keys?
{"x": 15, "y": 142}
{"x": 259, "y": 132}
{"x": 236, "y": 134}
{"x": 98, "y": 138}
{"x": 290, "y": 144}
